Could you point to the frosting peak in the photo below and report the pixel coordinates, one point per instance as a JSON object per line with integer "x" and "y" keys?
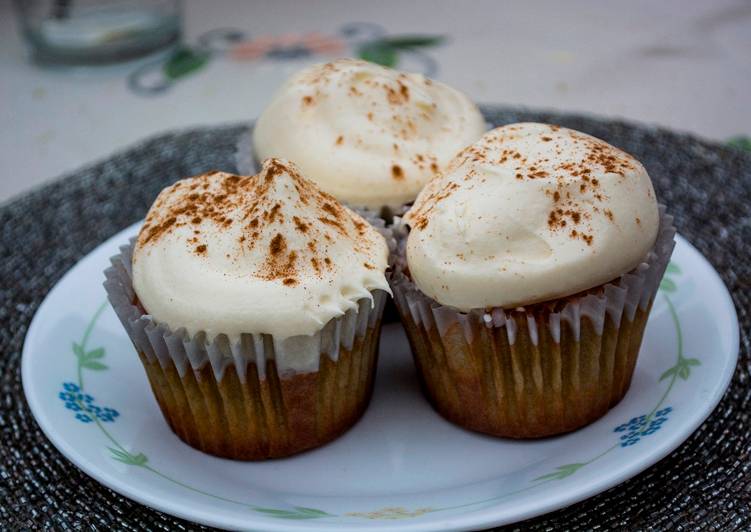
{"x": 268, "y": 253}
{"x": 383, "y": 133}
{"x": 529, "y": 213}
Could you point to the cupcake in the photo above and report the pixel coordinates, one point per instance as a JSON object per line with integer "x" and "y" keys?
{"x": 526, "y": 279}
{"x": 255, "y": 305}
{"x": 369, "y": 135}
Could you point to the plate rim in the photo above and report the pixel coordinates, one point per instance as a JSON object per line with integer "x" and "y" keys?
{"x": 492, "y": 515}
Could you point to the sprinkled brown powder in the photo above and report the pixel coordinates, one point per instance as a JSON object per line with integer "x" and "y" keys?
{"x": 331, "y": 209}
{"x": 339, "y": 140}
{"x": 217, "y": 200}
{"x": 273, "y": 213}
{"x": 404, "y": 91}
{"x": 332, "y": 223}
{"x": 278, "y": 245}
{"x": 421, "y": 213}
{"x": 397, "y": 172}
{"x": 360, "y": 226}
{"x": 300, "y": 225}
{"x": 397, "y": 97}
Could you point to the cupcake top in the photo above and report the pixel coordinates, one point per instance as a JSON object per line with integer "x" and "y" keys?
{"x": 369, "y": 135}
{"x": 268, "y": 253}
{"x": 530, "y": 213}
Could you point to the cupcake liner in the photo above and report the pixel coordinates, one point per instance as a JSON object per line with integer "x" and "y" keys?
{"x": 530, "y": 372}
{"x": 260, "y": 396}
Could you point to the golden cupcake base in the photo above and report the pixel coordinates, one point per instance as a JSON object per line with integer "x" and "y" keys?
{"x": 258, "y": 418}
{"x": 541, "y": 370}
{"x": 523, "y": 389}
{"x": 257, "y": 412}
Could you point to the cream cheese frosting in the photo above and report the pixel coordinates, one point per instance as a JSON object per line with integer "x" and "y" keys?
{"x": 268, "y": 253}
{"x": 369, "y": 135}
{"x": 530, "y": 213}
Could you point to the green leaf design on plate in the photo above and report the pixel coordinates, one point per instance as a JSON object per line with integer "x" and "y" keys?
{"x": 299, "y": 512}
{"x": 311, "y": 511}
{"x": 379, "y": 53}
{"x": 742, "y": 143}
{"x": 672, "y": 268}
{"x": 681, "y": 369}
{"x": 125, "y": 457}
{"x": 669, "y": 373}
{"x": 78, "y": 349}
{"x": 95, "y": 353}
{"x": 94, "y": 365}
{"x": 668, "y": 285}
{"x": 561, "y": 472}
{"x": 184, "y": 61}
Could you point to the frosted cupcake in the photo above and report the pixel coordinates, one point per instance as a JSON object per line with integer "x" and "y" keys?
{"x": 254, "y": 304}
{"x": 369, "y": 135}
{"x": 527, "y": 277}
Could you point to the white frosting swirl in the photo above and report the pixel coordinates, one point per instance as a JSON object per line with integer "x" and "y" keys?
{"x": 369, "y": 135}
{"x": 263, "y": 254}
{"x": 530, "y": 213}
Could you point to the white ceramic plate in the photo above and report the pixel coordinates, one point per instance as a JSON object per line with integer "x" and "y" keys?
{"x": 402, "y": 466}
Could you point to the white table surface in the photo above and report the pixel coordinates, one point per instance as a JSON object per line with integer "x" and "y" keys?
{"x": 681, "y": 64}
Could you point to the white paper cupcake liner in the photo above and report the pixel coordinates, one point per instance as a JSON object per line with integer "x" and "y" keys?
{"x": 632, "y": 290}
{"x": 291, "y": 356}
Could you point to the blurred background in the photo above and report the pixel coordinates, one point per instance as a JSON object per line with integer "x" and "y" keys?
{"x": 82, "y": 79}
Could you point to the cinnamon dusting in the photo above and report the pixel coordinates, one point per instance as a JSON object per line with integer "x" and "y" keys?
{"x": 248, "y": 206}
{"x": 397, "y": 172}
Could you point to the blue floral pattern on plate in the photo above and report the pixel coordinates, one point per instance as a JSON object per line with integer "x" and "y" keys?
{"x": 84, "y": 406}
{"x": 639, "y": 427}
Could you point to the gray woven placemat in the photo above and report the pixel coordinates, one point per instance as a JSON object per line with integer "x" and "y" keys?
{"x": 706, "y": 483}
